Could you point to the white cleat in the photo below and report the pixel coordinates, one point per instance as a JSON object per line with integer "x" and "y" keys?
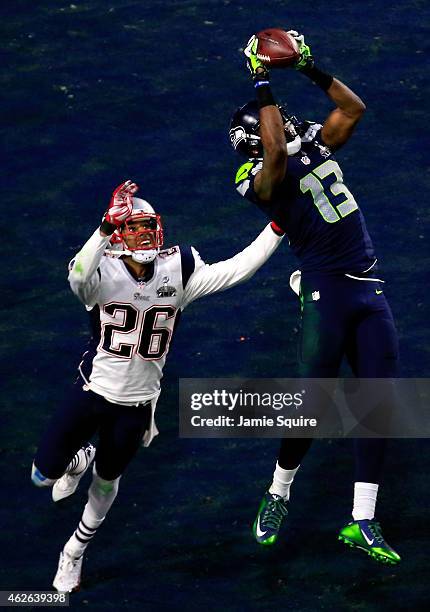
{"x": 68, "y": 483}
{"x": 68, "y": 576}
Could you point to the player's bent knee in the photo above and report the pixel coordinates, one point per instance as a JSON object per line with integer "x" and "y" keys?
{"x": 105, "y": 487}
{"x": 38, "y": 479}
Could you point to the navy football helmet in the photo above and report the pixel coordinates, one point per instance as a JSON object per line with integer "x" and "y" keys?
{"x": 245, "y": 131}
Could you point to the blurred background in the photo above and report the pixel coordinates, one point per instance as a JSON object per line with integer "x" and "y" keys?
{"x": 98, "y": 92}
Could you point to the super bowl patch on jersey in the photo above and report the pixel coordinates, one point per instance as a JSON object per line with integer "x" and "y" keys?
{"x": 166, "y": 290}
{"x": 325, "y": 151}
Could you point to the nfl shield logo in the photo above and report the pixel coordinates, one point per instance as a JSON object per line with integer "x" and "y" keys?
{"x": 315, "y": 295}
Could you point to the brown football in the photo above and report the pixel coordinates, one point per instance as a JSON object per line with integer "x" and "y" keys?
{"x": 276, "y": 48}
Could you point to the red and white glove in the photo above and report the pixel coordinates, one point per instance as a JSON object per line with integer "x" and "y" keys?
{"x": 121, "y": 204}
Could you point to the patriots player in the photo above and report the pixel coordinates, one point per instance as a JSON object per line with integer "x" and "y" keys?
{"x": 293, "y": 176}
{"x": 135, "y": 292}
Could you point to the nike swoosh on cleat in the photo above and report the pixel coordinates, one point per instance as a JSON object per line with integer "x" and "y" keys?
{"x": 370, "y": 542}
{"x": 258, "y": 530}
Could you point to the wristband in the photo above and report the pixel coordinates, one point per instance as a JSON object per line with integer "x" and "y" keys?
{"x": 264, "y": 94}
{"x": 107, "y": 228}
{"x": 320, "y": 78}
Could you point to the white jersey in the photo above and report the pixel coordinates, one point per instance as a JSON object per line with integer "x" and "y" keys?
{"x": 134, "y": 321}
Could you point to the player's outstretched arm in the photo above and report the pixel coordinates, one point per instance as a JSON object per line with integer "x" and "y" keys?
{"x": 271, "y": 127}
{"x": 275, "y": 153}
{"x": 340, "y": 123}
{"x": 219, "y": 276}
{"x": 83, "y": 276}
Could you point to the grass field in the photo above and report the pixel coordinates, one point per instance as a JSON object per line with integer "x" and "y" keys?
{"x": 97, "y": 92}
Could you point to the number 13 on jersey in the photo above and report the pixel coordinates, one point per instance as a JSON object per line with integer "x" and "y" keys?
{"x": 312, "y": 182}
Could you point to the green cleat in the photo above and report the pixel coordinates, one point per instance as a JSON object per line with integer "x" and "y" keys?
{"x": 271, "y": 512}
{"x": 367, "y": 535}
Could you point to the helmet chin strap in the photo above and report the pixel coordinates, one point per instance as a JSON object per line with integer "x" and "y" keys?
{"x": 144, "y": 256}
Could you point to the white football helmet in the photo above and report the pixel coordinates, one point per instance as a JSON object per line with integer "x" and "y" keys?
{"x": 142, "y": 242}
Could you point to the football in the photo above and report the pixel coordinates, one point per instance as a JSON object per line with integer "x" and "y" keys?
{"x": 277, "y": 48}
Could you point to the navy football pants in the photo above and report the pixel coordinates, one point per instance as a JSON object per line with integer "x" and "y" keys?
{"x": 84, "y": 413}
{"x": 345, "y": 317}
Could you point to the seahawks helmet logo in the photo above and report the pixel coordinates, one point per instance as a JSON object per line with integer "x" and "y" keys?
{"x": 237, "y": 134}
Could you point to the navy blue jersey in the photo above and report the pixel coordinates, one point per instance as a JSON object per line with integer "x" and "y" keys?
{"x": 324, "y": 225}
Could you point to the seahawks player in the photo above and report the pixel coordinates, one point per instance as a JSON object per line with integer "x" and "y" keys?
{"x": 293, "y": 176}
{"x": 135, "y": 293}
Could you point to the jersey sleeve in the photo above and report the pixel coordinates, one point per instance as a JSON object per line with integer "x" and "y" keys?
{"x": 310, "y": 131}
{"x": 207, "y": 279}
{"x": 244, "y": 180}
{"x": 84, "y": 274}
{"x": 190, "y": 262}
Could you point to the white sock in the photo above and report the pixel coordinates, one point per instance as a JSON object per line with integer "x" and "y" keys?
{"x": 101, "y": 496}
{"x": 78, "y": 463}
{"x": 282, "y": 480}
{"x": 39, "y": 479}
{"x": 365, "y": 494}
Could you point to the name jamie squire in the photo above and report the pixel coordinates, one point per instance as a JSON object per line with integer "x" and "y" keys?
{"x": 226, "y": 421}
